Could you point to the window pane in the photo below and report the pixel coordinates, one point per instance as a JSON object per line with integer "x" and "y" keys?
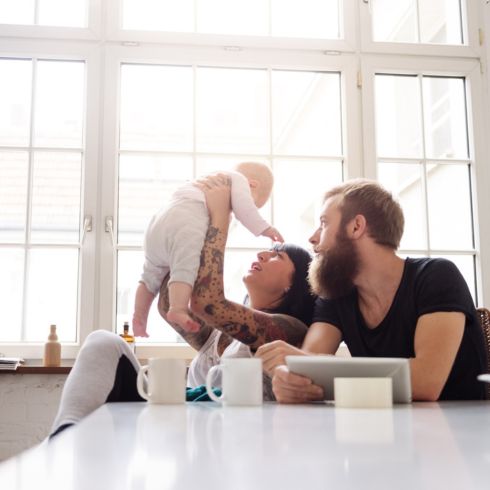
{"x": 72, "y": 13}
{"x": 13, "y": 196}
{"x": 445, "y": 117}
{"x": 398, "y": 116}
{"x": 395, "y": 21}
{"x": 450, "y": 217}
{"x": 414, "y": 21}
{"x": 156, "y": 108}
{"x": 56, "y": 197}
{"x": 15, "y": 102}
{"x": 406, "y": 184}
{"x": 17, "y": 12}
{"x": 158, "y": 15}
{"x": 145, "y": 185}
{"x": 297, "y": 207}
{"x": 440, "y": 21}
{"x": 249, "y": 17}
{"x": 52, "y": 293}
{"x": 466, "y": 265}
{"x": 232, "y": 111}
{"x": 305, "y": 18}
{"x": 306, "y": 110}
{"x": 11, "y": 284}
{"x": 59, "y": 107}
{"x": 129, "y": 268}
{"x": 237, "y": 263}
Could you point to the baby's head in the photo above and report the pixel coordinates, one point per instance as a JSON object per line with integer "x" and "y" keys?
{"x": 260, "y": 179}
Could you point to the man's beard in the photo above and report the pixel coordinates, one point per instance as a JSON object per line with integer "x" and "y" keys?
{"x": 331, "y": 273}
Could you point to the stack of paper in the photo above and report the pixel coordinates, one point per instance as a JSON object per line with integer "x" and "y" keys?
{"x": 10, "y": 363}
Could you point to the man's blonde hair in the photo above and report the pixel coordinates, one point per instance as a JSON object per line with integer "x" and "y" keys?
{"x": 384, "y": 215}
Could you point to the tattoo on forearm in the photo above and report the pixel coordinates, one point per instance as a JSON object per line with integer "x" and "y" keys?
{"x": 247, "y": 325}
{"x": 211, "y": 234}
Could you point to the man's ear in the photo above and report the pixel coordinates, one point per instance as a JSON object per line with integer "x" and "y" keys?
{"x": 253, "y": 183}
{"x": 357, "y": 226}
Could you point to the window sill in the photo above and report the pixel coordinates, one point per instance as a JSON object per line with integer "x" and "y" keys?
{"x": 35, "y": 366}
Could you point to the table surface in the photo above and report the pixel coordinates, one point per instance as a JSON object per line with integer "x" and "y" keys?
{"x": 203, "y": 445}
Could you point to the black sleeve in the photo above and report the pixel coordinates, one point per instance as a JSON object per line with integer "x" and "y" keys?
{"x": 441, "y": 287}
{"x": 326, "y": 312}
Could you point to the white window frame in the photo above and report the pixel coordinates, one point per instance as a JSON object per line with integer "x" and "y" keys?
{"x": 208, "y": 56}
{"x": 470, "y": 70}
{"x": 104, "y": 46}
{"x": 91, "y": 32}
{"x": 348, "y": 21}
{"x": 471, "y": 48}
{"x": 44, "y": 49}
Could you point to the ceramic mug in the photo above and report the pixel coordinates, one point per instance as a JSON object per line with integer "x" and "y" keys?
{"x": 162, "y": 381}
{"x": 241, "y": 381}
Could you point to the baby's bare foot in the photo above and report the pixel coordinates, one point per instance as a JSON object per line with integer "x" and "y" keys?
{"x": 183, "y": 320}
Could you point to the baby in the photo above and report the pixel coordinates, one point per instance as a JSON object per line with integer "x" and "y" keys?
{"x": 175, "y": 236}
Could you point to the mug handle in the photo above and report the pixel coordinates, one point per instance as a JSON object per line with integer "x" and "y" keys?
{"x": 209, "y": 388}
{"x": 140, "y": 380}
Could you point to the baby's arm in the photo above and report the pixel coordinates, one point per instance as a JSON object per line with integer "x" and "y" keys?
{"x": 273, "y": 234}
{"x": 142, "y": 304}
{"x": 243, "y": 206}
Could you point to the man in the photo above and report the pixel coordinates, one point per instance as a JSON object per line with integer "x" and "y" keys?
{"x": 381, "y": 305}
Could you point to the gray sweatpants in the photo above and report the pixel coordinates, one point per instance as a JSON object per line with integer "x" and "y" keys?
{"x": 105, "y": 370}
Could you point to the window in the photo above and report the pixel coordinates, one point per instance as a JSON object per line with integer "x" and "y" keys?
{"x": 418, "y": 21}
{"x": 106, "y": 107}
{"x": 63, "y": 13}
{"x": 277, "y": 18}
{"x": 41, "y": 159}
{"x": 423, "y": 156}
{"x": 178, "y": 122}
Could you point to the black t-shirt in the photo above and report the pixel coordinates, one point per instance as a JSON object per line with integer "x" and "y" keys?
{"x": 427, "y": 286}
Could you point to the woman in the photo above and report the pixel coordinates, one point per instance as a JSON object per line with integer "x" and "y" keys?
{"x": 280, "y": 306}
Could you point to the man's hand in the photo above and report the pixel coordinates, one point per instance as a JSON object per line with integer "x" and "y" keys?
{"x": 293, "y": 388}
{"x": 274, "y": 354}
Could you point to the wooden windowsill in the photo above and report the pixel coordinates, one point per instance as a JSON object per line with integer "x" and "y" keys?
{"x": 35, "y": 366}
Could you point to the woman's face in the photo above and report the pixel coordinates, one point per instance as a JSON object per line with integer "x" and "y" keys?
{"x": 272, "y": 273}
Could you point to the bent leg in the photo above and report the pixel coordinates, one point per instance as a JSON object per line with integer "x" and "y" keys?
{"x": 105, "y": 370}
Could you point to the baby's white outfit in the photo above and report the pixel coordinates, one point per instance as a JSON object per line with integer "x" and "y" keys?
{"x": 175, "y": 236}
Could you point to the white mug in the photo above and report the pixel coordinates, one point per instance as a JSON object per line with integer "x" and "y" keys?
{"x": 165, "y": 382}
{"x": 241, "y": 381}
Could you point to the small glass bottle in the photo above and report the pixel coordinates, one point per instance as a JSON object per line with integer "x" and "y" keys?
{"x": 128, "y": 337}
{"x": 52, "y": 349}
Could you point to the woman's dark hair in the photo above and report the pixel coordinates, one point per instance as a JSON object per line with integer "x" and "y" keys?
{"x": 298, "y": 301}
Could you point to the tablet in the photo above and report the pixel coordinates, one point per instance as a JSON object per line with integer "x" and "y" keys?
{"x": 323, "y": 369}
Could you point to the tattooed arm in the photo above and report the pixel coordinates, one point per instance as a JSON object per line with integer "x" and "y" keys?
{"x": 194, "y": 339}
{"x": 250, "y": 326}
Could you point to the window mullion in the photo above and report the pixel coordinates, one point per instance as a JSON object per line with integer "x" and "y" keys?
{"x": 424, "y": 163}
{"x": 30, "y": 185}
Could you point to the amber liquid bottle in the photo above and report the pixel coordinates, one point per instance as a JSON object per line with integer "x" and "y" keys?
{"x": 52, "y": 349}
{"x": 128, "y": 337}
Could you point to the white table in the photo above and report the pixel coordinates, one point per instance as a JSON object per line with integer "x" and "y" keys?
{"x": 201, "y": 445}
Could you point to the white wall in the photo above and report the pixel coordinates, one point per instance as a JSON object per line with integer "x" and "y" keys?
{"x": 28, "y": 405}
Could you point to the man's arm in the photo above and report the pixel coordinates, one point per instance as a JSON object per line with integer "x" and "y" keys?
{"x": 322, "y": 338}
{"x": 437, "y": 340}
